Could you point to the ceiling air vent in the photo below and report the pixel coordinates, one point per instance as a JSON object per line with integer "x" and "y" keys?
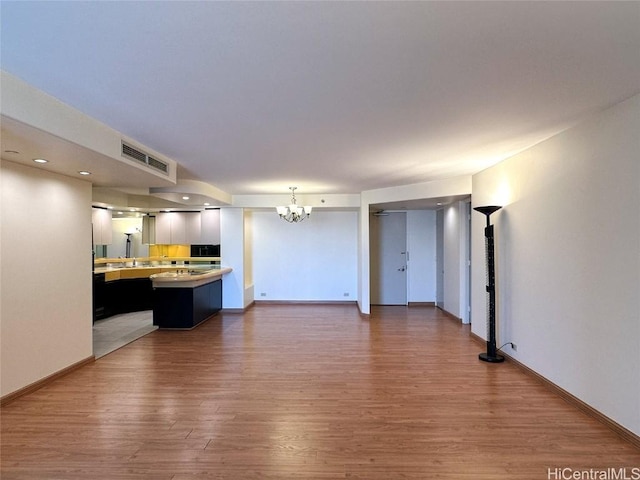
{"x": 139, "y": 156}
{"x": 158, "y": 165}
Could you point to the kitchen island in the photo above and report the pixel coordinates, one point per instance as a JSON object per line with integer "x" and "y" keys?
{"x": 122, "y": 285}
{"x": 186, "y": 297}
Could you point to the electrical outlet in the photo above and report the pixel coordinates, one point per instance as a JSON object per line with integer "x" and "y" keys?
{"x": 514, "y": 347}
{"x": 263, "y": 294}
{"x": 346, "y": 294}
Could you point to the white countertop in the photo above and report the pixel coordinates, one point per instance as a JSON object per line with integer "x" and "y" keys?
{"x": 188, "y": 277}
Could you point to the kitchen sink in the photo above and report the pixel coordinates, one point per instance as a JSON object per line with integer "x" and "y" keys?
{"x": 198, "y": 272}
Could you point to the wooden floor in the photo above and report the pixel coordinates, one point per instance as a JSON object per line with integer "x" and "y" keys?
{"x": 303, "y": 392}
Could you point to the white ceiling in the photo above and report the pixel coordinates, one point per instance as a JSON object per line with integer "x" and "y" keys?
{"x": 334, "y": 97}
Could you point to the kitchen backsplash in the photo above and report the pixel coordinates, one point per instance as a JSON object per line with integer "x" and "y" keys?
{"x": 169, "y": 250}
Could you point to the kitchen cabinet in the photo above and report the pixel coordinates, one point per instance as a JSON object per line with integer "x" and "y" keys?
{"x": 163, "y": 228}
{"x": 210, "y": 227}
{"x": 185, "y": 308}
{"x": 193, "y": 227}
{"x": 102, "y": 230}
{"x": 178, "y": 228}
{"x": 170, "y": 228}
{"x": 148, "y": 230}
{"x": 99, "y": 297}
{"x": 120, "y": 296}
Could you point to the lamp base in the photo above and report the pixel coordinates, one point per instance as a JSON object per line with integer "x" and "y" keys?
{"x": 485, "y": 357}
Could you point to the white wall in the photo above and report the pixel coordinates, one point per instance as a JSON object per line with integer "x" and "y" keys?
{"x": 451, "y": 249}
{"x": 248, "y": 250}
{"x": 45, "y": 304}
{"x": 454, "y": 254}
{"x": 315, "y": 260}
{"x": 568, "y": 259}
{"x": 421, "y": 244}
{"x": 232, "y": 247}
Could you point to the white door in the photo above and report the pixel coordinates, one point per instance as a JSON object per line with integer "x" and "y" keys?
{"x": 389, "y": 259}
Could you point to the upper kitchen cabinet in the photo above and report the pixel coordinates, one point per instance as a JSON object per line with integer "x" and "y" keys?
{"x": 170, "y": 228}
{"x": 210, "y": 227}
{"x": 193, "y": 227}
{"x": 148, "y": 230}
{"x": 102, "y": 231}
{"x": 178, "y": 228}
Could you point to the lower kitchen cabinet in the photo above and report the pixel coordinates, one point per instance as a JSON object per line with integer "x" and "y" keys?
{"x": 184, "y": 308}
{"x": 120, "y": 296}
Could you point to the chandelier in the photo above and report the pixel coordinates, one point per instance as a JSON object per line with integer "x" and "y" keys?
{"x": 293, "y": 213}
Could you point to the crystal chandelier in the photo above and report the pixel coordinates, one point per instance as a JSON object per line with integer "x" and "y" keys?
{"x": 293, "y": 213}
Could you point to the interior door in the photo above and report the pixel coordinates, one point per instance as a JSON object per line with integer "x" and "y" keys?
{"x": 389, "y": 259}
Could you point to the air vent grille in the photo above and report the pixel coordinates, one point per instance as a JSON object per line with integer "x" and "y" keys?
{"x": 158, "y": 165}
{"x": 131, "y": 152}
{"x": 138, "y": 155}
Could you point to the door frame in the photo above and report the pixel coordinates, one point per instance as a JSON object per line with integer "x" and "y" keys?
{"x": 374, "y": 261}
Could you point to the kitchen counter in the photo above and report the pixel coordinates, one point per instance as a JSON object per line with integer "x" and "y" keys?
{"x": 145, "y": 271}
{"x": 154, "y": 261}
{"x": 187, "y": 277}
{"x": 118, "y": 289}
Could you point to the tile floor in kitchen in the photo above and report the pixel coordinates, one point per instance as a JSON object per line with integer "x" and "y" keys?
{"x": 117, "y": 331}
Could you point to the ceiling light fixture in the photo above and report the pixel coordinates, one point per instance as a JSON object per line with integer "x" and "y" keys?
{"x": 185, "y": 198}
{"x": 293, "y": 213}
{"x": 84, "y": 172}
{"x": 40, "y": 160}
{"x": 206, "y": 204}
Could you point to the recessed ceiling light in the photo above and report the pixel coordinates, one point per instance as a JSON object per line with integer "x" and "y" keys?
{"x": 119, "y": 213}
{"x": 439, "y": 203}
{"x": 40, "y": 160}
{"x": 84, "y": 172}
{"x": 133, "y": 209}
{"x": 185, "y": 198}
{"x": 206, "y": 204}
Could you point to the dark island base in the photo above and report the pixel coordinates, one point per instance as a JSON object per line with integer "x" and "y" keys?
{"x": 185, "y": 308}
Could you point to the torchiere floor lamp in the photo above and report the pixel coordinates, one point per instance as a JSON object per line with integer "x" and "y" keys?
{"x": 492, "y": 352}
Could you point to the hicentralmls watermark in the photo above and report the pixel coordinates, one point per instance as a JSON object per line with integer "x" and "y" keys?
{"x": 567, "y": 473}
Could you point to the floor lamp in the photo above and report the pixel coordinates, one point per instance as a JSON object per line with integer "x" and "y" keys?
{"x": 492, "y": 353}
{"x": 128, "y": 246}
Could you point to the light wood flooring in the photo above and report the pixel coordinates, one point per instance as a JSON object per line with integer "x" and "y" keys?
{"x": 303, "y": 392}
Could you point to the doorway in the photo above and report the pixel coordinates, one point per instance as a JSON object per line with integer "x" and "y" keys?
{"x": 388, "y": 243}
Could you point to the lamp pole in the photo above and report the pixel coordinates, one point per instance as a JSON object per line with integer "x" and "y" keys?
{"x": 128, "y": 246}
{"x": 492, "y": 353}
